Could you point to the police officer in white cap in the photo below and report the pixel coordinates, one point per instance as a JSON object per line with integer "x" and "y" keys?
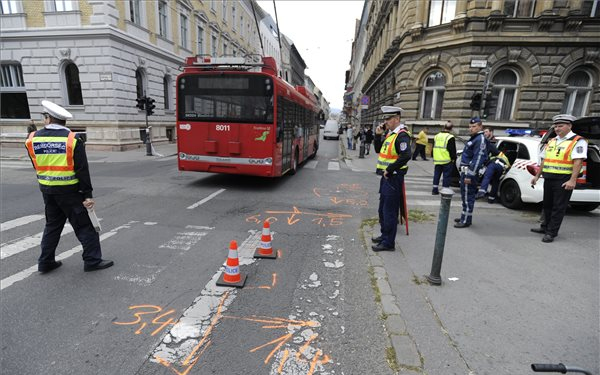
{"x": 562, "y": 160}
{"x": 61, "y": 165}
{"x": 394, "y": 153}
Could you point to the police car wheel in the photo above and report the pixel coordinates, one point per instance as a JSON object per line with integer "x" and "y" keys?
{"x": 510, "y": 194}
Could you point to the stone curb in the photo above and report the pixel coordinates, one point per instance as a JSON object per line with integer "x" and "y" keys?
{"x": 408, "y": 357}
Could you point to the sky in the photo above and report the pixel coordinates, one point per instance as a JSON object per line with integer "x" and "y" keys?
{"x": 323, "y": 32}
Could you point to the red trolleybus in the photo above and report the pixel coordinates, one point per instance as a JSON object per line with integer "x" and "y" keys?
{"x": 238, "y": 117}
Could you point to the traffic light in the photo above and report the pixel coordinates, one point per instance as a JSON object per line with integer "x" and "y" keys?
{"x": 476, "y": 102}
{"x": 150, "y": 106}
{"x": 490, "y": 105}
{"x": 140, "y": 103}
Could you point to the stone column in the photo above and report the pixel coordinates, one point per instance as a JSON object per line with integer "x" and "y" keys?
{"x": 497, "y": 6}
{"x": 461, "y": 9}
{"x": 419, "y": 14}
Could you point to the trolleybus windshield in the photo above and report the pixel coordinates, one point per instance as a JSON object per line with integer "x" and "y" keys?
{"x": 225, "y": 97}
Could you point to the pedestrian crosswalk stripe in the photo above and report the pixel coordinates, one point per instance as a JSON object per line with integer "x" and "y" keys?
{"x": 23, "y": 244}
{"x": 15, "y": 164}
{"x": 333, "y": 166}
{"x": 20, "y": 221}
{"x": 8, "y": 281}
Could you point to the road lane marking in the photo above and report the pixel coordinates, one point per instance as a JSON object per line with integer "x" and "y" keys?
{"x": 6, "y": 282}
{"x": 333, "y": 166}
{"x": 205, "y": 199}
{"x": 10, "y": 249}
{"x": 19, "y": 222}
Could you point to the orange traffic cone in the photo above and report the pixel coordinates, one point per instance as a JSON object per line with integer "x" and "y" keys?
{"x": 265, "y": 250}
{"x": 232, "y": 275}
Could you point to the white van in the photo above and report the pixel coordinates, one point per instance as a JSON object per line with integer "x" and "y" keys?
{"x": 331, "y": 130}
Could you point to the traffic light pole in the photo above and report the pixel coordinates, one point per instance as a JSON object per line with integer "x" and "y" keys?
{"x": 148, "y": 138}
{"x": 486, "y": 83}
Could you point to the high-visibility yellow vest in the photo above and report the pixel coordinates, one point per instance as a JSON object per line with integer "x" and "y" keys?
{"x": 441, "y": 155}
{"x": 558, "y": 156}
{"x": 388, "y": 154}
{"x": 53, "y": 159}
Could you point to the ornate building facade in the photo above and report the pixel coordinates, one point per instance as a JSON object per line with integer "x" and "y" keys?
{"x": 527, "y": 59}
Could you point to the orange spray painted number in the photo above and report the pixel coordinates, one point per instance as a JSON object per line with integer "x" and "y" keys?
{"x": 149, "y": 310}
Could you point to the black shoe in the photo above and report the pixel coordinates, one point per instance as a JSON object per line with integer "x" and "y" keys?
{"x": 491, "y": 201}
{"x": 462, "y": 225}
{"x": 99, "y": 266}
{"x": 435, "y": 192}
{"x": 457, "y": 220}
{"x": 480, "y": 195}
{"x": 380, "y": 247}
{"x": 48, "y": 268}
{"x": 538, "y": 230}
{"x": 548, "y": 238}
{"x": 425, "y": 159}
{"x": 377, "y": 240}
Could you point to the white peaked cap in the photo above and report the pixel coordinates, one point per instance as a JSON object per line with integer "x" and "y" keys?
{"x": 56, "y": 111}
{"x": 561, "y": 119}
{"x": 390, "y": 110}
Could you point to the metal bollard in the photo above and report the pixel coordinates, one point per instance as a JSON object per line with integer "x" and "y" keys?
{"x": 361, "y": 152}
{"x": 148, "y": 141}
{"x": 440, "y": 237}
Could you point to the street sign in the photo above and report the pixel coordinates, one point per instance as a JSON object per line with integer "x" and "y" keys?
{"x": 478, "y": 63}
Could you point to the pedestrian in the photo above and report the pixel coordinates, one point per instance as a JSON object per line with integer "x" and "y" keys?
{"x": 474, "y": 157}
{"x": 496, "y": 167}
{"x": 444, "y": 157}
{"x": 349, "y": 137}
{"x": 393, "y": 147}
{"x": 357, "y": 135}
{"x": 61, "y": 165}
{"x": 368, "y": 139}
{"x": 421, "y": 144}
{"x": 562, "y": 160}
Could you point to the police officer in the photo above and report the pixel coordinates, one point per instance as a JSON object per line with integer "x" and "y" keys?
{"x": 474, "y": 157}
{"x": 561, "y": 163}
{"x": 394, "y": 153}
{"x": 444, "y": 155}
{"x": 496, "y": 167}
{"x": 60, "y": 162}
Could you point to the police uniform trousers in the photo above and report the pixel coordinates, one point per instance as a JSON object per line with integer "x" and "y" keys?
{"x": 556, "y": 200}
{"x": 440, "y": 170}
{"x": 59, "y": 208}
{"x": 467, "y": 194}
{"x": 492, "y": 175}
{"x": 390, "y": 194}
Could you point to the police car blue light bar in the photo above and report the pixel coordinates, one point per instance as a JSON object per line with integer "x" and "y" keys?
{"x": 518, "y": 131}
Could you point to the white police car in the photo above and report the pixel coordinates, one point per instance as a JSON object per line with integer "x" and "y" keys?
{"x": 523, "y": 153}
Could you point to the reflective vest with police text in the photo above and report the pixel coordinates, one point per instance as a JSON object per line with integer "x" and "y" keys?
{"x": 558, "y": 156}
{"x": 53, "y": 159}
{"x": 388, "y": 154}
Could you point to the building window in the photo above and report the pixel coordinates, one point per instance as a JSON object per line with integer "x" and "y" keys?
{"x": 213, "y": 46}
{"x": 140, "y": 83}
{"x": 61, "y": 5}
{"x": 224, "y": 49}
{"x": 241, "y": 24}
{"x": 441, "y": 11}
{"x": 233, "y": 15}
{"x": 224, "y": 3}
{"x": 502, "y": 101}
{"x": 163, "y": 10}
{"x": 579, "y": 88}
{"x": 213, "y": 7}
{"x": 519, "y": 8}
{"x": 9, "y": 7}
{"x": 166, "y": 91}
{"x": 590, "y": 8}
{"x": 200, "y": 39}
{"x": 135, "y": 12}
{"x": 183, "y": 20}
{"x": 73, "y": 85}
{"x": 432, "y": 97}
{"x": 12, "y": 92}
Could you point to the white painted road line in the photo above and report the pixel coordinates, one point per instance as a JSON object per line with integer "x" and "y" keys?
{"x": 6, "y": 282}
{"x": 20, "y": 221}
{"x": 9, "y": 249}
{"x": 333, "y": 166}
{"x": 205, "y": 199}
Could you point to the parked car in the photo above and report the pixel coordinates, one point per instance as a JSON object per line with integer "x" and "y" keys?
{"x": 523, "y": 153}
{"x": 331, "y": 130}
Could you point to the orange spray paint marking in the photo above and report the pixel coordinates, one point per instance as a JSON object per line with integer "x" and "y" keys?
{"x": 282, "y": 340}
{"x": 141, "y": 328}
{"x": 286, "y": 354}
{"x": 274, "y": 280}
{"x": 306, "y": 344}
{"x": 139, "y": 314}
{"x": 186, "y": 370}
{"x": 313, "y": 363}
{"x": 164, "y": 324}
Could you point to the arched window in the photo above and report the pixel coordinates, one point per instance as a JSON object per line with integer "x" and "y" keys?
{"x": 73, "y": 85}
{"x": 502, "y": 101}
{"x": 432, "y": 97}
{"x": 167, "y": 91}
{"x": 139, "y": 83}
{"x": 579, "y": 88}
